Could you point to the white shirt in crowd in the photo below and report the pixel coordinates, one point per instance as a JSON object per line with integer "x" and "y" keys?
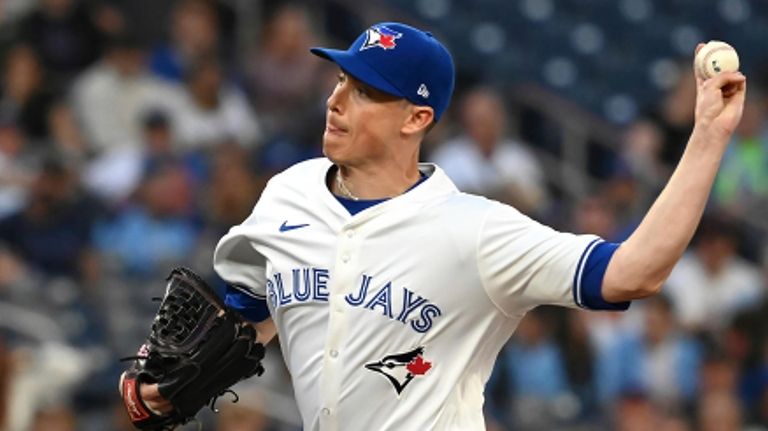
{"x": 710, "y": 301}
{"x": 510, "y": 164}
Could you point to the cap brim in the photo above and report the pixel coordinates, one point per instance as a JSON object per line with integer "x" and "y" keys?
{"x": 358, "y": 68}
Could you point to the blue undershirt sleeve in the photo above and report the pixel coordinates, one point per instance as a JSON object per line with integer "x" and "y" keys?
{"x": 253, "y": 309}
{"x": 589, "y": 278}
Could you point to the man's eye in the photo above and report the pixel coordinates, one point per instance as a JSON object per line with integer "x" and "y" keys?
{"x": 341, "y": 78}
{"x": 361, "y": 91}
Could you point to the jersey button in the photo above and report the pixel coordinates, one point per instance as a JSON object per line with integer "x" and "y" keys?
{"x": 326, "y": 411}
{"x": 350, "y": 233}
{"x": 334, "y": 353}
{"x": 345, "y": 258}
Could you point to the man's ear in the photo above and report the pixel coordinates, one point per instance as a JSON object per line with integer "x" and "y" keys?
{"x": 419, "y": 120}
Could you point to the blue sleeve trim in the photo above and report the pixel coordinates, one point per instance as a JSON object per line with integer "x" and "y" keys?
{"x": 253, "y": 309}
{"x": 588, "y": 280}
{"x": 579, "y": 269}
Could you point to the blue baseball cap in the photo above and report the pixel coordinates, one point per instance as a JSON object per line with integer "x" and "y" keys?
{"x": 399, "y": 60}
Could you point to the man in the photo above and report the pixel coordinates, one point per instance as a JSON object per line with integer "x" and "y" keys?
{"x": 486, "y": 160}
{"x": 393, "y": 292}
{"x": 110, "y": 96}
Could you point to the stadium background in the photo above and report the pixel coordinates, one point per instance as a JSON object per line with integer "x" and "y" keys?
{"x": 134, "y": 133}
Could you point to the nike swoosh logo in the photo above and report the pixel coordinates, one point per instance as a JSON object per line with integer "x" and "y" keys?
{"x": 285, "y": 227}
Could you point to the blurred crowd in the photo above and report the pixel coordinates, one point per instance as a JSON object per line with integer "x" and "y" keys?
{"x": 127, "y": 148}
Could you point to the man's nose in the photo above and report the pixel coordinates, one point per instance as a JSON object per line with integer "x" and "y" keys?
{"x": 334, "y": 103}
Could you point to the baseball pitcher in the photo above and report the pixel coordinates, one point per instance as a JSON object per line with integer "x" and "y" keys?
{"x": 392, "y": 292}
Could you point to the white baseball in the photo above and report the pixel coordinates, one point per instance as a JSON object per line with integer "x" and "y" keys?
{"x": 716, "y": 57}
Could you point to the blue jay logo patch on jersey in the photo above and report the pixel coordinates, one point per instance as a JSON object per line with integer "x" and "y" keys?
{"x": 401, "y": 368}
{"x": 380, "y": 36}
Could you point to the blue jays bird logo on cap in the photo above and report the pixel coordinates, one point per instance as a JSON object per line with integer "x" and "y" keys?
{"x": 380, "y": 36}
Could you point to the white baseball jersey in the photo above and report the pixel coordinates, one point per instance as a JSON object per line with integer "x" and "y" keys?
{"x": 392, "y": 319}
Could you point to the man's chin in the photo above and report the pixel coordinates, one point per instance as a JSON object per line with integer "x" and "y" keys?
{"x": 328, "y": 155}
{"x": 331, "y": 149}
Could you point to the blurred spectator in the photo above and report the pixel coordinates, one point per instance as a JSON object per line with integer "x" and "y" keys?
{"x": 45, "y": 380}
{"x": 719, "y": 373}
{"x": 65, "y": 37}
{"x": 52, "y": 233}
{"x": 677, "y": 421}
{"x": 23, "y": 95}
{"x": 595, "y": 216}
{"x": 229, "y": 192}
{"x": 711, "y": 283}
{"x": 111, "y": 97}
{"x": 159, "y": 140}
{"x": 719, "y": 411}
{"x": 13, "y": 10}
{"x": 676, "y": 114}
{"x": 161, "y": 143}
{"x": 233, "y": 188}
{"x": 718, "y": 405}
{"x": 54, "y": 419}
{"x": 662, "y": 361}
{"x": 283, "y": 78}
{"x": 640, "y": 174}
{"x": 642, "y": 145}
{"x": 627, "y": 199}
{"x": 579, "y": 358}
{"x": 158, "y": 231}
{"x": 116, "y": 175}
{"x": 742, "y": 182}
{"x": 212, "y": 111}
{"x": 606, "y": 331}
{"x": 533, "y": 366}
{"x": 15, "y": 167}
{"x": 65, "y": 132}
{"x": 194, "y": 35}
{"x": 635, "y": 412}
{"x": 744, "y": 342}
{"x": 293, "y": 137}
{"x": 43, "y": 383}
{"x": 109, "y": 19}
{"x": 485, "y": 161}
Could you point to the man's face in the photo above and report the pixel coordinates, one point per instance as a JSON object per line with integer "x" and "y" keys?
{"x": 362, "y": 123}
{"x": 483, "y": 117}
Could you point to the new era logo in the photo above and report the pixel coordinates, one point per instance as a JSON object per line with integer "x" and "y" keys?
{"x": 423, "y": 91}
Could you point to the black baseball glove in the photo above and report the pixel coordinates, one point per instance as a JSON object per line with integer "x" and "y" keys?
{"x": 196, "y": 350}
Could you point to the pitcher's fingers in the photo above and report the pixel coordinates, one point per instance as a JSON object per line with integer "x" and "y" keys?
{"x": 699, "y": 78}
{"x": 152, "y": 398}
{"x": 727, "y": 78}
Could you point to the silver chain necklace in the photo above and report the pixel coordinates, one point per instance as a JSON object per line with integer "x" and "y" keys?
{"x": 343, "y": 187}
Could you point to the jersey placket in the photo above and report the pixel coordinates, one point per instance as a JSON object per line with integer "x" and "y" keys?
{"x": 346, "y": 264}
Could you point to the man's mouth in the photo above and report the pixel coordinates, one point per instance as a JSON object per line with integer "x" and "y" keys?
{"x": 334, "y": 129}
